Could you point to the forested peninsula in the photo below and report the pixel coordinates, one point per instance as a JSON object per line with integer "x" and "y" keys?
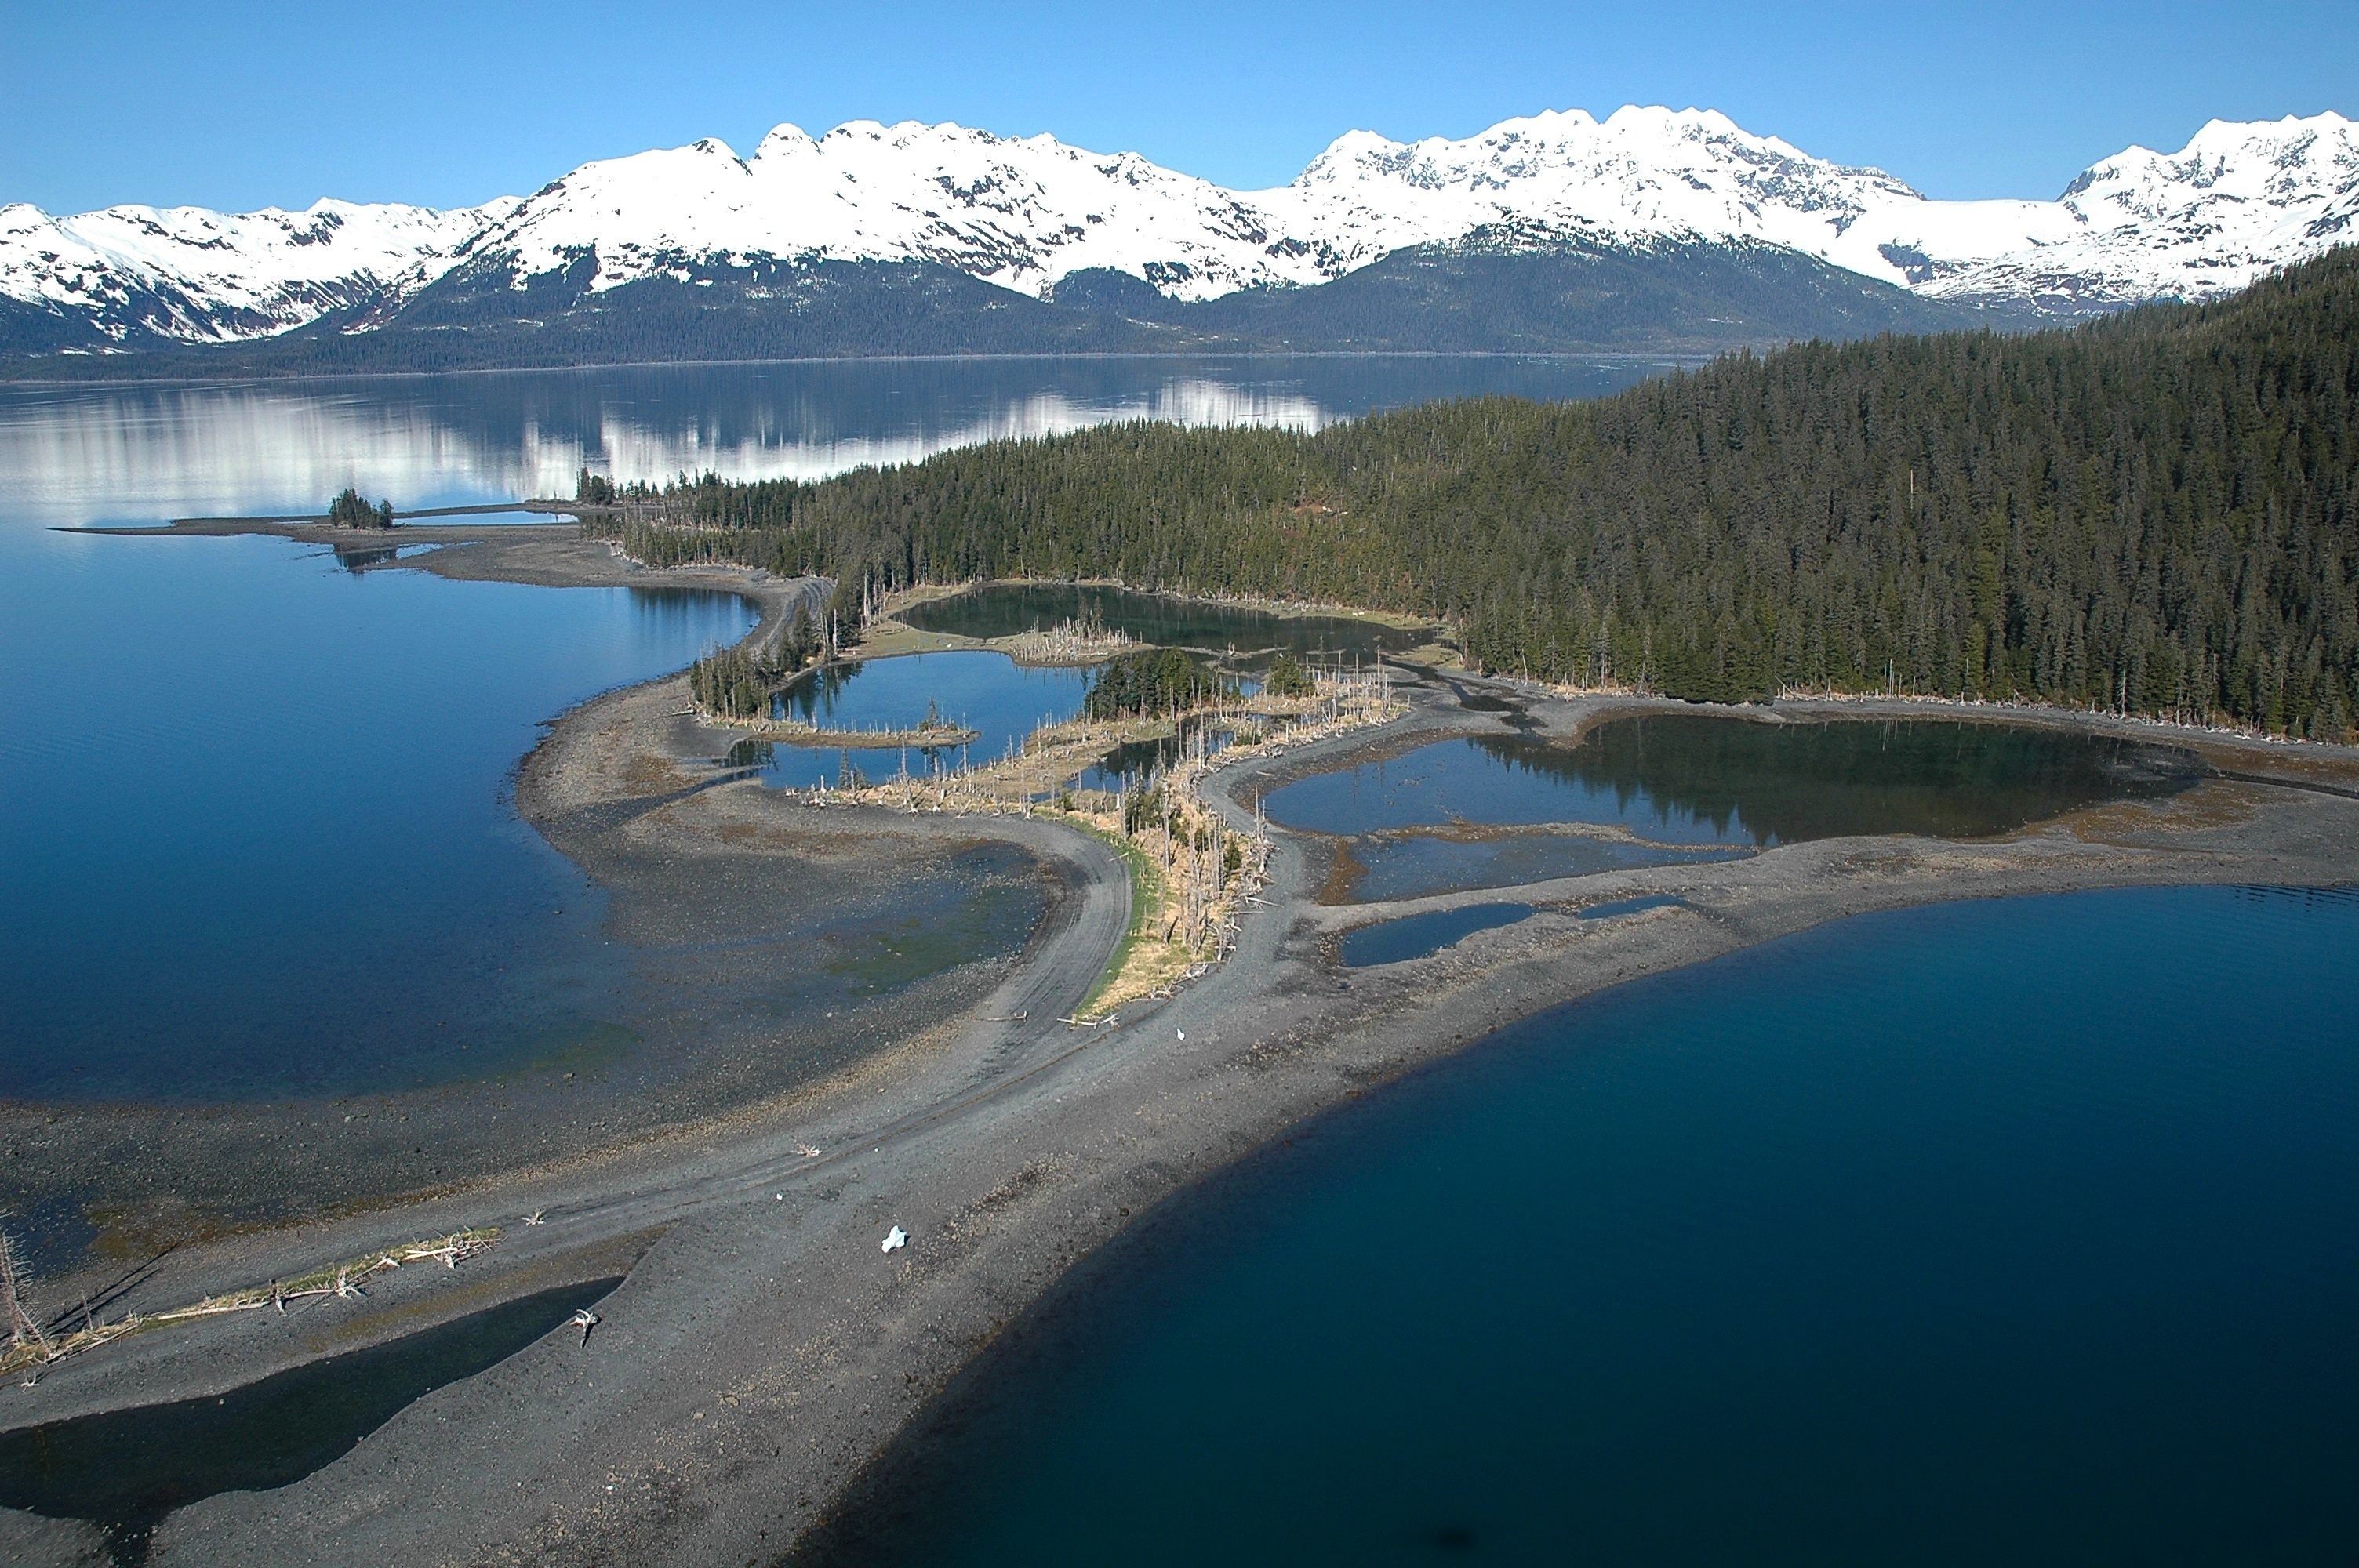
{"x": 2152, "y": 514}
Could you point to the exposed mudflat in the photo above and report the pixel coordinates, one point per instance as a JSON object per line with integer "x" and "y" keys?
{"x": 765, "y": 1351}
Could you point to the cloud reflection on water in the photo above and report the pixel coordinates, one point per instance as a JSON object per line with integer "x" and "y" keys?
{"x": 89, "y": 454}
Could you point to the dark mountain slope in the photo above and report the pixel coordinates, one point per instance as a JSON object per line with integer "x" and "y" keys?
{"x": 1481, "y": 299}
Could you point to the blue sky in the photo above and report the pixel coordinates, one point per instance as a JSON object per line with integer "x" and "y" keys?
{"x": 243, "y": 104}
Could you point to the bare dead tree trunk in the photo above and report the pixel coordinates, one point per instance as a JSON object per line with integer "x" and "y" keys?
{"x": 15, "y": 1293}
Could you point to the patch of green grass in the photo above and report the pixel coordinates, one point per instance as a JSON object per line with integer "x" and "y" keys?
{"x": 1146, "y": 895}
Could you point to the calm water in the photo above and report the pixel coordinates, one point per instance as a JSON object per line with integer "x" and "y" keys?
{"x": 1130, "y": 764}
{"x": 127, "y": 1469}
{"x": 2022, "y": 1231}
{"x": 1004, "y": 610}
{"x": 452, "y": 440}
{"x": 1697, "y": 782}
{"x": 1422, "y": 936}
{"x": 1698, "y": 779}
{"x": 1614, "y": 909}
{"x": 988, "y": 693}
{"x": 1001, "y": 700}
{"x": 252, "y": 831}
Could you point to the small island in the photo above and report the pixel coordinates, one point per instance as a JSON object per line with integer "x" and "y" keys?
{"x": 352, "y": 510}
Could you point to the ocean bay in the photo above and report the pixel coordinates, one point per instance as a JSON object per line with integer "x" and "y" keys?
{"x": 1915, "y": 1238}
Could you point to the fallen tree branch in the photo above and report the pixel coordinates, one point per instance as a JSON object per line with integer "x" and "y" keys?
{"x": 342, "y": 1280}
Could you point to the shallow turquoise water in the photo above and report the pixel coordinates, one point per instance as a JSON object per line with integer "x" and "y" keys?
{"x": 2023, "y": 1231}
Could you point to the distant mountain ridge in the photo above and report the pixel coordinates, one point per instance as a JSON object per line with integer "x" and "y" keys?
{"x": 1127, "y": 254}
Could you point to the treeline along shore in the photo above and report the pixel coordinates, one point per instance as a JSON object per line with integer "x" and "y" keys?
{"x": 2151, "y": 514}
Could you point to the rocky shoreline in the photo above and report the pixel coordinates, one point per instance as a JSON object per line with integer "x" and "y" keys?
{"x": 747, "y": 1391}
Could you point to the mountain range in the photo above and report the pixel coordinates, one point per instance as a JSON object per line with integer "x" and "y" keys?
{"x": 1652, "y": 230}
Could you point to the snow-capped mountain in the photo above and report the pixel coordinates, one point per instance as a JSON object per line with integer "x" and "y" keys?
{"x": 1027, "y": 213}
{"x": 1640, "y": 177}
{"x": 194, "y": 276}
{"x": 2238, "y": 201}
{"x": 1021, "y": 213}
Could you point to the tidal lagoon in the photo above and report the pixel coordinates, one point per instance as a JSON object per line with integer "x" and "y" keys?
{"x": 1671, "y": 788}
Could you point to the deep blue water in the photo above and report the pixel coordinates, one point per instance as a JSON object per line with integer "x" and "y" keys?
{"x": 253, "y": 837}
{"x": 2022, "y": 1231}
{"x": 1422, "y": 936}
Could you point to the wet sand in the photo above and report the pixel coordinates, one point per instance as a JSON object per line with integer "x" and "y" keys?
{"x": 765, "y": 1352}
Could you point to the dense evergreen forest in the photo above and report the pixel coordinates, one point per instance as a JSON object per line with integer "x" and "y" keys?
{"x": 2153, "y": 512}
{"x": 1158, "y": 680}
{"x": 350, "y": 509}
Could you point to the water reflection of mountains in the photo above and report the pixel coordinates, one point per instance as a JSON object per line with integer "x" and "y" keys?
{"x": 240, "y": 447}
{"x": 1787, "y": 782}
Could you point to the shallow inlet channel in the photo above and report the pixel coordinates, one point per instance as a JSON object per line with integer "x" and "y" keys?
{"x": 1488, "y": 811}
{"x": 1422, "y": 936}
{"x": 124, "y": 1471}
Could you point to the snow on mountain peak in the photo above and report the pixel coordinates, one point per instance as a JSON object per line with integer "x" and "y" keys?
{"x": 2236, "y": 201}
{"x": 1642, "y": 175}
{"x": 1022, "y": 212}
{"x": 1026, "y": 213}
{"x": 200, "y": 276}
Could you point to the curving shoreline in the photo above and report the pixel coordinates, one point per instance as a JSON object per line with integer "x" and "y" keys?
{"x": 763, "y": 1351}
